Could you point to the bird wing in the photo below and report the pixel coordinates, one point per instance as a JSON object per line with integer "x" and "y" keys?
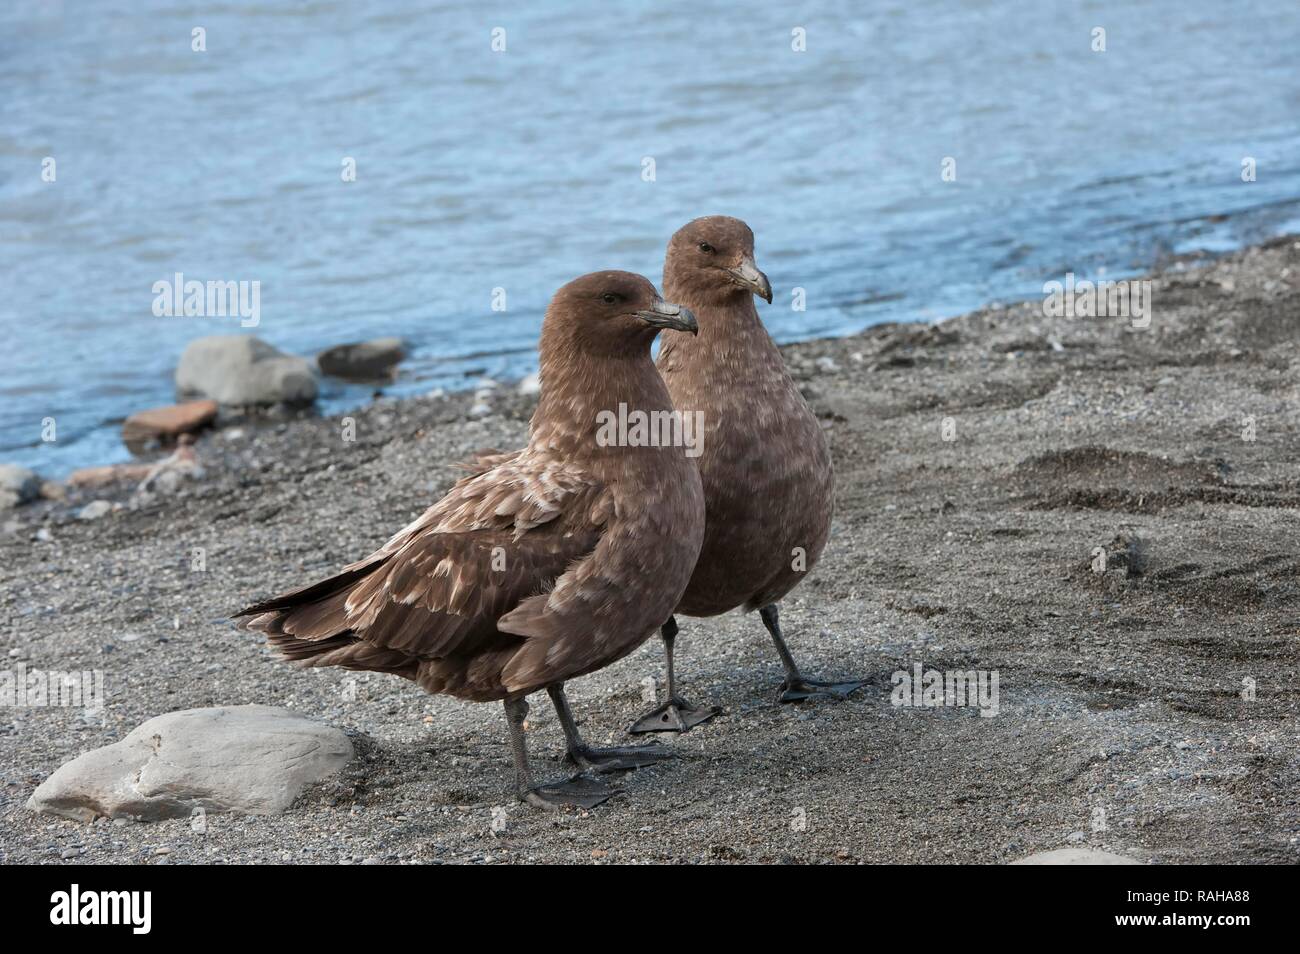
{"x": 440, "y": 585}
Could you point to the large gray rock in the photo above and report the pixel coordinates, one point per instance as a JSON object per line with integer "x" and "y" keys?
{"x": 17, "y": 485}
{"x": 249, "y": 759}
{"x": 241, "y": 370}
{"x": 374, "y": 360}
{"x": 1075, "y": 856}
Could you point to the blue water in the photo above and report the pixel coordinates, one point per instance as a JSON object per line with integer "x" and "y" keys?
{"x": 521, "y": 169}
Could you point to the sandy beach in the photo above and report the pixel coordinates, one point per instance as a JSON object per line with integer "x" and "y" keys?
{"x": 1146, "y": 704}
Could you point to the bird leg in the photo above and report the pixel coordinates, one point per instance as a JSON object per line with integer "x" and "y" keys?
{"x": 591, "y": 759}
{"x": 795, "y": 687}
{"x": 550, "y": 796}
{"x": 675, "y": 715}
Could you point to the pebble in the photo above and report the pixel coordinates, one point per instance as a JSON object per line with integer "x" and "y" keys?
{"x": 94, "y": 510}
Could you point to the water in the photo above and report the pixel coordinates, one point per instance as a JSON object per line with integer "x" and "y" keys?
{"x": 520, "y": 170}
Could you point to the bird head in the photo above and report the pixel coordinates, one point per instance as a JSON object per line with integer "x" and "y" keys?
{"x": 712, "y": 259}
{"x": 612, "y": 311}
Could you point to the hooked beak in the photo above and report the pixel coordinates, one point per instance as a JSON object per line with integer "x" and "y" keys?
{"x": 747, "y": 275}
{"x": 664, "y": 314}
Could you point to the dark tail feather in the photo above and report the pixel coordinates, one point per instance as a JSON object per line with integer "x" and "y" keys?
{"x": 346, "y": 652}
{"x": 307, "y": 594}
{"x": 300, "y": 650}
{"x": 310, "y": 627}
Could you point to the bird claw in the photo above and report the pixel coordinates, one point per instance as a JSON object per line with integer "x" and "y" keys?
{"x": 578, "y": 791}
{"x": 798, "y": 690}
{"x": 675, "y": 715}
{"x": 619, "y": 758}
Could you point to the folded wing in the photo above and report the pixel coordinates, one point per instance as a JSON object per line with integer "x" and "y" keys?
{"x": 437, "y": 589}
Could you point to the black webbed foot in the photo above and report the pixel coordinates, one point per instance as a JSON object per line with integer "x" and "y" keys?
{"x": 798, "y": 690}
{"x": 675, "y": 715}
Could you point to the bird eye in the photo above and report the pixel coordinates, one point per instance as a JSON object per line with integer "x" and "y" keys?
{"x": 609, "y": 298}
{"x": 706, "y": 247}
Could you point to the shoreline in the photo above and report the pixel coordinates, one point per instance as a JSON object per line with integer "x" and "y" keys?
{"x": 981, "y": 462}
{"x": 333, "y": 404}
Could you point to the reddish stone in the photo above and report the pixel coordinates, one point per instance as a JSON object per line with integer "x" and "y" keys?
{"x": 100, "y": 476}
{"x": 166, "y": 424}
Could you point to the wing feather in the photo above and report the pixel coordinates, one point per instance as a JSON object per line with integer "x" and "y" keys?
{"x": 500, "y": 538}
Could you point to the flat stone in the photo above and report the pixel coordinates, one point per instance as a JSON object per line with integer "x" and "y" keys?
{"x": 165, "y": 424}
{"x": 1075, "y": 856}
{"x": 103, "y": 476}
{"x": 253, "y": 760}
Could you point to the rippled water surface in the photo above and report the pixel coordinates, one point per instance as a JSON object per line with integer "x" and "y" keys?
{"x": 521, "y": 169}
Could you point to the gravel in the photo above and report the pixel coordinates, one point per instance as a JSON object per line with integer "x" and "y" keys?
{"x": 1146, "y": 700}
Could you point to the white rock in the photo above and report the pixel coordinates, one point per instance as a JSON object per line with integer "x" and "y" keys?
{"x": 1075, "y": 856}
{"x": 249, "y": 759}
{"x": 169, "y": 481}
{"x": 530, "y": 384}
{"x": 240, "y": 370}
{"x": 827, "y": 365}
{"x": 94, "y": 510}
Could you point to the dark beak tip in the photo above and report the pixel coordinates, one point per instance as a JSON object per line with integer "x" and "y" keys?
{"x": 673, "y": 317}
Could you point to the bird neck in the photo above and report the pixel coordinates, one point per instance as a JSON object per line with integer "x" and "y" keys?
{"x": 580, "y": 392}
{"x": 731, "y": 333}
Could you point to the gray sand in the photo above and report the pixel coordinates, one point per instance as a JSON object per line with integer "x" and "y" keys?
{"x": 1121, "y": 725}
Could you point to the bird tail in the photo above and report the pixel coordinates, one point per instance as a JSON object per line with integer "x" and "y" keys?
{"x": 309, "y": 627}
